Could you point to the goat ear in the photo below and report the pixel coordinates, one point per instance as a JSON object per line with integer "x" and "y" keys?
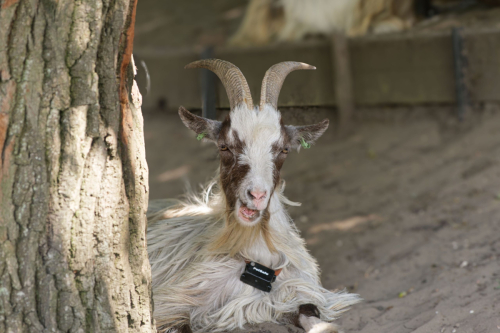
{"x": 210, "y": 128}
{"x": 306, "y": 135}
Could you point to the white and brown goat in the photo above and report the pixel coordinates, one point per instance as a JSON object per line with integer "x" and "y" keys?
{"x": 268, "y": 21}
{"x": 200, "y": 248}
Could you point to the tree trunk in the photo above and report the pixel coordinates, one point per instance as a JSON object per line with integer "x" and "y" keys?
{"x": 73, "y": 174}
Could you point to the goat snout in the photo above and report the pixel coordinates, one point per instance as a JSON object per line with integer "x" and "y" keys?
{"x": 258, "y": 197}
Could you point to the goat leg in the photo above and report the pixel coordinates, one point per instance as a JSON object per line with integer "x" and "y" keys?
{"x": 308, "y": 319}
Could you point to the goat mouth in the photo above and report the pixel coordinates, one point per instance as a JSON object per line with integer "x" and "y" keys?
{"x": 247, "y": 214}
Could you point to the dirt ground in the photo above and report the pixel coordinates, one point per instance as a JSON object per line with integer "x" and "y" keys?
{"x": 404, "y": 211}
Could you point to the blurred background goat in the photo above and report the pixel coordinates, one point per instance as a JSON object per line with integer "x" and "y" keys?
{"x": 267, "y": 21}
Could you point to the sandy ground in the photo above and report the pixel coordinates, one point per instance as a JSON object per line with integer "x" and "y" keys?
{"x": 404, "y": 211}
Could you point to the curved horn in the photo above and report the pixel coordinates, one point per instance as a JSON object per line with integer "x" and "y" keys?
{"x": 232, "y": 78}
{"x": 271, "y": 85}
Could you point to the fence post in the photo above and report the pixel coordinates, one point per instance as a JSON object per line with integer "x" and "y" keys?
{"x": 208, "y": 84}
{"x": 342, "y": 82}
{"x": 460, "y": 65}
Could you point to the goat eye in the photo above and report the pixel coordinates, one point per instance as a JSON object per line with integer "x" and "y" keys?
{"x": 223, "y": 147}
{"x": 285, "y": 151}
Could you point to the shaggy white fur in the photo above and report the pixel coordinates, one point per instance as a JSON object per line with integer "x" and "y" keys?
{"x": 190, "y": 283}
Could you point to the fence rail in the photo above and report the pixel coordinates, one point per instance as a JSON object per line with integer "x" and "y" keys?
{"x": 392, "y": 69}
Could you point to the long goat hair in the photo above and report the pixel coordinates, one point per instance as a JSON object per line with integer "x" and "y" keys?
{"x": 187, "y": 275}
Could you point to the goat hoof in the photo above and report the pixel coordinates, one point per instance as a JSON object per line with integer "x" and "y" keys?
{"x": 324, "y": 328}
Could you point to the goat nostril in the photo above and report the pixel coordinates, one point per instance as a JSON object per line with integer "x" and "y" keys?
{"x": 250, "y": 195}
{"x": 257, "y": 195}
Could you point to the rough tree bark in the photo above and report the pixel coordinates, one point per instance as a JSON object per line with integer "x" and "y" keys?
{"x": 73, "y": 174}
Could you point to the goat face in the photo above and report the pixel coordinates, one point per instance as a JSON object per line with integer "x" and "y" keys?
{"x": 253, "y": 145}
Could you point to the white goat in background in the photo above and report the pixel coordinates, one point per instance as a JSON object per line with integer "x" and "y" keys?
{"x": 238, "y": 228}
{"x": 266, "y": 21}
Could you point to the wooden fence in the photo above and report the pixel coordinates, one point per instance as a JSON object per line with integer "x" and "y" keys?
{"x": 386, "y": 70}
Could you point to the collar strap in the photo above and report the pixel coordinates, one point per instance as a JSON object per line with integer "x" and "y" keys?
{"x": 276, "y": 272}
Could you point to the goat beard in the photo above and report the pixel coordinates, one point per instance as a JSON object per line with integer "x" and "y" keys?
{"x": 235, "y": 238}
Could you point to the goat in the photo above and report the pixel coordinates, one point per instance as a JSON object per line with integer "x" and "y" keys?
{"x": 199, "y": 248}
{"x": 266, "y": 21}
